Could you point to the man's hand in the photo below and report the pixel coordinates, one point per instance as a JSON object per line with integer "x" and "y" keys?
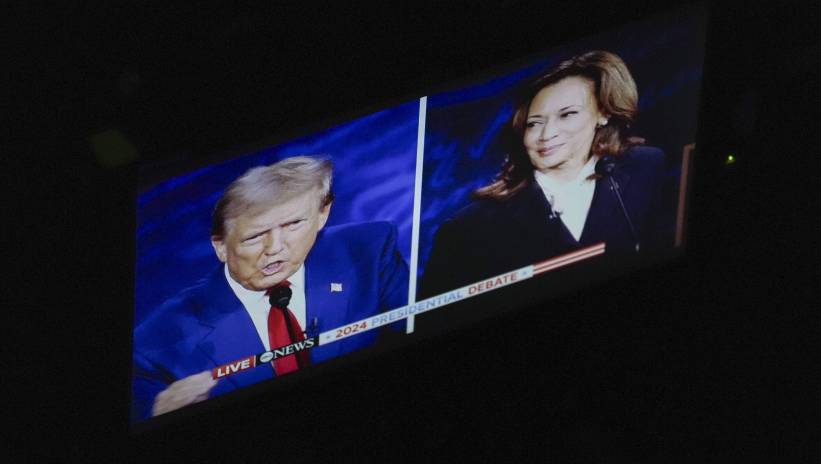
{"x": 192, "y": 389}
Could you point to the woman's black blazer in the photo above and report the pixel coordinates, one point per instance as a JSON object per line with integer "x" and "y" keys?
{"x": 490, "y": 237}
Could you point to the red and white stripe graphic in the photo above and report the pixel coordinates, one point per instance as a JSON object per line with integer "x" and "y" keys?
{"x": 569, "y": 258}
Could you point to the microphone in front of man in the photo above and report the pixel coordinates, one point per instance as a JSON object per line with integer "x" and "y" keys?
{"x": 606, "y": 167}
{"x": 279, "y": 297}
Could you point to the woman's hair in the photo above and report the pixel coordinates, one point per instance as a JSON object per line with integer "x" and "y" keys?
{"x": 616, "y": 97}
{"x": 268, "y": 186}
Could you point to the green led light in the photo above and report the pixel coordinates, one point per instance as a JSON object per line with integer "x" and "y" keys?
{"x": 113, "y": 149}
{"x": 730, "y": 159}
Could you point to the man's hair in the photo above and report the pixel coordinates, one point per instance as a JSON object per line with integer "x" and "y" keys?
{"x": 264, "y": 187}
{"x": 616, "y": 97}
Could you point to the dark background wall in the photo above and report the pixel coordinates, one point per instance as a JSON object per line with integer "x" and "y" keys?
{"x": 709, "y": 357}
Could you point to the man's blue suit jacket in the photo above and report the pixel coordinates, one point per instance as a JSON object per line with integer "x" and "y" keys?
{"x": 206, "y": 325}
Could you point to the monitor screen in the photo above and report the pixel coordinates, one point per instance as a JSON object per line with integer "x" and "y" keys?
{"x": 547, "y": 174}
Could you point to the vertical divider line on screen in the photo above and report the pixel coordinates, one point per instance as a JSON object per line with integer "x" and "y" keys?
{"x": 417, "y": 206}
{"x": 684, "y": 183}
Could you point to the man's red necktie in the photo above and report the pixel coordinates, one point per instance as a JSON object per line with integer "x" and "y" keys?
{"x": 279, "y": 335}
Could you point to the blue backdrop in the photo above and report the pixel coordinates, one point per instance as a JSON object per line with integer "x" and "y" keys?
{"x": 375, "y": 162}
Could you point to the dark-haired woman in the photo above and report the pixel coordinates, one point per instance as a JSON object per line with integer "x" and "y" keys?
{"x": 548, "y": 198}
